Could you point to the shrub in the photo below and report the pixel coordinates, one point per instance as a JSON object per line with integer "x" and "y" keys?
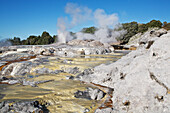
{"x": 166, "y": 26}
{"x": 154, "y": 23}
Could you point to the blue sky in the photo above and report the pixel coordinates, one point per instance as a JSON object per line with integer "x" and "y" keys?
{"x": 22, "y": 18}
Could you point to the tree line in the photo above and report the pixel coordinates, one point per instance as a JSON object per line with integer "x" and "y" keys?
{"x": 132, "y": 29}
{"x": 44, "y": 39}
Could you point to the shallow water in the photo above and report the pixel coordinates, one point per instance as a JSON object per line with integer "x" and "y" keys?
{"x": 59, "y": 92}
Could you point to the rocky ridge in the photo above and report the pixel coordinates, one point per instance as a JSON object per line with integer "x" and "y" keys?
{"x": 141, "y": 79}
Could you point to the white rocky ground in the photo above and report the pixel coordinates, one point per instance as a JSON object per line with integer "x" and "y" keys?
{"x": 141, "y": 79}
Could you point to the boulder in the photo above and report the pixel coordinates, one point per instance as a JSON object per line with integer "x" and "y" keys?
{"x": 150, "y": 35}
{"x": 19, "y": 68}
{"x": 90, "y": 93}
{"x": 158, "y": 33}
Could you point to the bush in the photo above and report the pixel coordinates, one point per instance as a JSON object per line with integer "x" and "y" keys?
{"x": 154, "y": 23}
{"x": 166, "y": 26}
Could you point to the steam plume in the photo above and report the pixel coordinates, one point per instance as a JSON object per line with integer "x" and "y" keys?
{"x": 79, "y": 14}
{"x": 63, "y": 34}
{"x": 5, "y": 42}
{"x": 104, "y": 20}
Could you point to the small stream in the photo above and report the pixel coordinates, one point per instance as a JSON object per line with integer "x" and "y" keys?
{"x": 59, "y": 93}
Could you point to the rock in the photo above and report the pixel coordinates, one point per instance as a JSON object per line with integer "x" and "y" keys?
{"x": 87, "y": 43}
{"x": 158, "y": 33}
{"x": 150, "y": 35}
{"x": 42, "y": 71}
{"x": 77, "y": 42}
{"x": 86, "y": 110}
{"x": 36, "y": 104}
{"x": 11, "y": 82}
{"x": 20, "y": 68}
{"x": 70, "y": 77}
{"x": 106, "y": 110}
{"x": 90, "y": 93}
{"x": 140, "y": 79}
{"x": 34, "y": 83}
{"x": 95, "y": 43}
{"x": 93, "y": 94}
{"x": 100, "y": 95}
{"x": 23, "y": 107}
{"x": 84, "y": 73}
{"x": 3, "y": 78}
{"x": 74, "y": 70}
{"x": 4, "y": 110}
{"x": 92, "y": 46}
{"x": 2, "y": 104}
{"x": 82, "y": 94}
{"x": 26, "y": 83}
{"x": 12, "y": 56}
{"x": 46, "y": 71}
{"x": 96, "y": 94}
{"x": 44, "y": 81}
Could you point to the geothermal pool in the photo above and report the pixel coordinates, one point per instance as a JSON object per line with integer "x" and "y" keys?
{"x": 59, "y": 93}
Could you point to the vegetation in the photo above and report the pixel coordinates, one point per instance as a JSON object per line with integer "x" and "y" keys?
{"x": 131, "y": 28}
{"x": 15, "y": 41}
{"x": 89, "y": 30}
{"x": 166, "y": 26}
{"x": 44, "y": 39}
{"x": 154, "y": 23}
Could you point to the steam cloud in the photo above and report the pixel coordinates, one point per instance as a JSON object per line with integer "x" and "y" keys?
{"x": 5, "y": 42}
{"x": 79, "y": 14}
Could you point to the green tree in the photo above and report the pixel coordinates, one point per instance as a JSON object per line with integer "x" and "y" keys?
{"x": 46, "y": 39}
{"x": 55, "y": 37}
{"x": 142, "y": 28}
{"x": 23, "y": 42}
{"x": 15, "y": 41}
{"x": 155, "y": 23}
{"x": 44, "y": 34}
{"x": 90, "y": 30}
{"x": 166, "y": 26}
{"x": 31, "y": 40}
{"x": 131, "y": 28}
